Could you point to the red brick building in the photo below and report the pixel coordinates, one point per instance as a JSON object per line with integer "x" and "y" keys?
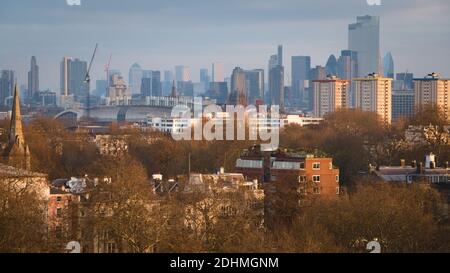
{"x": 315, "y": 174}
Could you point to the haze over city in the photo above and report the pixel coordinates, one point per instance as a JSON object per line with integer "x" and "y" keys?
{"x": 162, "y": 34}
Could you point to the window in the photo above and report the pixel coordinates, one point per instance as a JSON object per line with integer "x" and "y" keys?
{"x": 302, "y": 190}
{"x": 331, "y": 165}
{"x": 110, "y": 248}
{"x": 316, "y": 190}
{"x": 302, "y": 178}
{"x": 337, "y": 190}
{"x": 337, "y": 178}
{"x": 302, "y": 165}
{"x": 316, "y": 178}
{"x": 58, "y": 212}
{"x": 58, "y": 199}
{"x": 316, "y": 166}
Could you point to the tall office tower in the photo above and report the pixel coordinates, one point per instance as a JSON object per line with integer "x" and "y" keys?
{"x": 167, "y": 83}
{"x": 182, "y": 73}
{"x": 156, "y": 83}
{"x": 280, "y": 55}
{"x": 218, "y": 91}
{"x": 147, "y": 73}
{"x": 151, "y": 83}
{"x": 433, "y": 90}
{"x": 330, "y": 95}
{"x": 300, "y": 74}
{"x": 374, "y": 94}
{"x": 364, "y": 38}
{"x": 7, "y": 81}
{"x": 332, "y": 66}
{"x": 73, "y": 74}
{"x": 168, "y": 76}
{"x": 255, "y": 85}
{"x": 404, "y": 81}
{"x": 348, "y": 70}
{"x": 318, "y": 73}
{"x": 273, "y": 61}
{"x": 33, "y": 80}
{"x": 135, "y": 78}
{"x": 185, "y": 88}
{"x": 276, "y": 86}
{"x": 238, "y": 88}
{"x": 78, "y": 70}
{"x": 204, "y": 79}
{"x": 64, "y": 76}
{"x": 217, "y": 72}
{"x": 348, "y": 65}
{"x": 146, "y": 87}
{"x": 118, "y": 92}
{"x": 100, "y": 88}
{"x": 388, "y": 66}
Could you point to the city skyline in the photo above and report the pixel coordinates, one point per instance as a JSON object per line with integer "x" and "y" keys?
{"x": 258, "y": 34}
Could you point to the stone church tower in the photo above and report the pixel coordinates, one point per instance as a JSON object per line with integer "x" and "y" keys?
{"x": 17, "y": 153}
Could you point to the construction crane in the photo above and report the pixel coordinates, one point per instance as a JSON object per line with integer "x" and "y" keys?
{"x": 107, "y": 72}
{"x": 87, "y": 80}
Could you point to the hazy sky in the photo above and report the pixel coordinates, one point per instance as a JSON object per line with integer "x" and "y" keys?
{"x": 161, "y": 34}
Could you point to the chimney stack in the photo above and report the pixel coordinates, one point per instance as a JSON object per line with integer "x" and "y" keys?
{"x": 402, "y": 163}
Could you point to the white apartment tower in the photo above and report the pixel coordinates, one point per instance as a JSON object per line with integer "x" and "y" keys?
{"x": 434, "y": 91}
{"x": 330, "y": 95}
{"x": 374, "y": 94}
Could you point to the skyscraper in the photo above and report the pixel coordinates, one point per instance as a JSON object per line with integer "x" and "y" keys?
{"x": 276, "y": 86}
{"x": 433, "y": 90}
{"x": 255, "y": 85}
{"x": 217, "y": 72}
{"x": 330, "y": 95}
{"x": 73, "y": 74}
{"x": 7, "y": 80}
{"x": 167, "y": 83}
{"x": 204, "y": 78}
{"x": 348, "y": 65}
{"x": 348, "y": 70}
{"x": 100, "y": 87}
{"x": 404, "y": 81}
{"x": 331, "y": 66}
{"x": 182, "y": 73}
{"x": 219, "y": 91}
{"x": 300, "y": 74}
{"x": 318, "y": 73}
{"x": 151, "y": 83}
{"x": 273, "y": 62}
{"x": 135, "y": 78}
{"x": 280, "y": 55}
{"x": 374, "y": 94}
{"x": 364, "y": 38}
{"x": 33, "y": 79}
{"x": 238, "y": 87}
{"x": 388, "y": 66}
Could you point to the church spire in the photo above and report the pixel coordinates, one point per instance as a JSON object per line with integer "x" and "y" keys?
{"x": 17, "y": 153}
{"x": 16, "y": 131}
{"x": 174, "y": 90}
